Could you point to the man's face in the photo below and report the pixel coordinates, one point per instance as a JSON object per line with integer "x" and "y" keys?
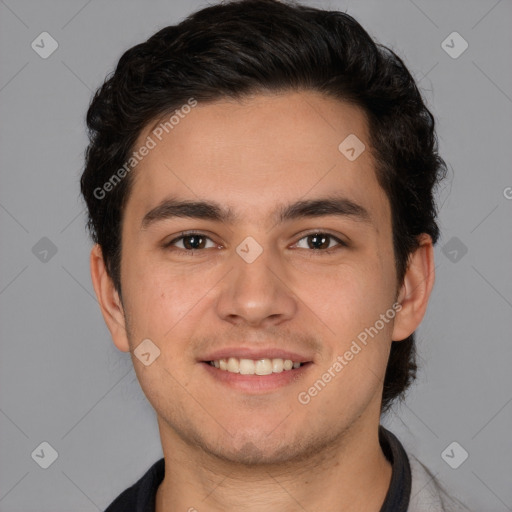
{"x": 260, "y": 287}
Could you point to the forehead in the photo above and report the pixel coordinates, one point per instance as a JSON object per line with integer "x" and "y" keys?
{"x": 254, "y": 153}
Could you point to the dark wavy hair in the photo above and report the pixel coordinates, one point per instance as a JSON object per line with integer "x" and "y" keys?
{"x": 244, "y": 47}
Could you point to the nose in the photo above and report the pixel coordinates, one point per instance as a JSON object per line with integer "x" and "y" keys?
{"x": 256, "y": 293}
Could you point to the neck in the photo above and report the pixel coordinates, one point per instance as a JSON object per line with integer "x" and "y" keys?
{"x": 350, "y": 475}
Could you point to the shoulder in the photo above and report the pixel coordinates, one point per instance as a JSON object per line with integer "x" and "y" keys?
{"x": 427, "y": 494}
{"x": 140, "y": 497}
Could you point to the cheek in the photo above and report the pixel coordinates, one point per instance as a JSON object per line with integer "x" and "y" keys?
{"x": 163, "y": 298}
{"x": 357, "y": 349}
{"x": 354, "y": 296}
{"x": 353, "y": 304}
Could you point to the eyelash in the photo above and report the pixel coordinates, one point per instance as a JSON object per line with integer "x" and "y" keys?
{"x": 319, "y": 252}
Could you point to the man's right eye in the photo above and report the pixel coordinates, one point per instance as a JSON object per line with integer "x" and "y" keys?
{"x": 190, "y": 241}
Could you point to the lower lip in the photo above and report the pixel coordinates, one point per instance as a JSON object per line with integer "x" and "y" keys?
{"x": 257, "y": 383}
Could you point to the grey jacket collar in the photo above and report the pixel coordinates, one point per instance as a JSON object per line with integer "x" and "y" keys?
{"x": 427, "y": 494}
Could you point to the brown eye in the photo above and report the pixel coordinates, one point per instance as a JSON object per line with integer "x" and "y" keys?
{"x": 190, "y": 242}
{"x": 194, "y": 242}
{"x": 320, "y": 241}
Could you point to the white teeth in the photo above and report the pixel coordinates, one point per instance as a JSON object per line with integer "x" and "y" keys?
{"x": 255, "y": 366}
{"x": 233, "y": 365}
{"x": 246, "y": 366}
{"x": 263, "y": 367}
{"x": 277, "y": 365}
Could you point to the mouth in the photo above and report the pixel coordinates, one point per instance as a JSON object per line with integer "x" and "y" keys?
{"x": 262, "y": 366}
{"x": 256, "y": 376}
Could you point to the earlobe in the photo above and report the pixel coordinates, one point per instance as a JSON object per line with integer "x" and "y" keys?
{"x": 416, "y": 289}
{"x": 109, "y": 300}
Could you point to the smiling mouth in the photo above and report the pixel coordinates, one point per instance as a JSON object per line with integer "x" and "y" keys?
{"x": 255, "y": 366}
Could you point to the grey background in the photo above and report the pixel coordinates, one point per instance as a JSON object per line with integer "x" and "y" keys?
{"x": 62, "y": 380}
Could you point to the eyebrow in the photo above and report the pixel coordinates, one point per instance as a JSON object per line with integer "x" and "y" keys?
{"x": 208, "y": 210}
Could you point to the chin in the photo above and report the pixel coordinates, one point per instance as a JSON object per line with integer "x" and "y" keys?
{"x": 261, "y": 448}
{"x": 256, "y": 454}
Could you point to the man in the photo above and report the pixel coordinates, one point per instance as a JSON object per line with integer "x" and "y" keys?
{"x": 260, "y": 184}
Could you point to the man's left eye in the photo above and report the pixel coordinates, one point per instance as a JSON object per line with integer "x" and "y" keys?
{"x": 321, "y": 241}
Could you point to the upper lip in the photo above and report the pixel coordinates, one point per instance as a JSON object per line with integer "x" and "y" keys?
{"x": 256, "y": 353}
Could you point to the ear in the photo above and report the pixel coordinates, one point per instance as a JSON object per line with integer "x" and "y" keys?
{"x": 416, "y": 288}
{"x": 108, "y": 298}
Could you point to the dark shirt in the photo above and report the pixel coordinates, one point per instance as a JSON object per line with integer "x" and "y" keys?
{"x": 140, "y": 497}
